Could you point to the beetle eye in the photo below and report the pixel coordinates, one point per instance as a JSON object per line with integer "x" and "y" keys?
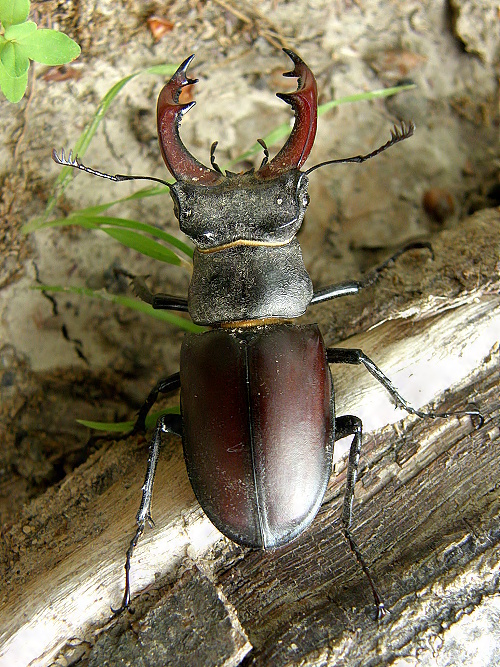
{"x": 177, "y": 205}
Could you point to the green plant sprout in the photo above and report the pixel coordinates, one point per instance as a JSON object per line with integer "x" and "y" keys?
{"x": 141, "y": 236}
{"x": 21, "y": 41}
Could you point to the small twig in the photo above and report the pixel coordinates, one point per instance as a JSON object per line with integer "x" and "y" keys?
{"x": 234, "y": 11}
{"x": 269, "y": 32}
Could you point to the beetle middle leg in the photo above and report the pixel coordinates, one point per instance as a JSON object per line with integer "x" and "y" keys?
{"x": 344, "y": 426}
{"x": 163, "y": 386}
{"x": 166, "y": 424}
{"x": 340, "y": 355}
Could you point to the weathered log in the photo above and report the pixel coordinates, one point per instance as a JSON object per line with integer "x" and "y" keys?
{"x": 425, "y": 515}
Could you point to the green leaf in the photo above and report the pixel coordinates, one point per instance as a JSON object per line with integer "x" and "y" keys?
{"x": 12, "y": 88}
{"x": 142, "y": 244}
{"x": 50, "y": 47}
{"x": 362, "y": 97}
{"x": 123, "y": 427}
{"x": 41, "y": 221}
{"x": 103, "y": 222}
{"x": 14, "y": 60}
{"x": 88, "y": 221}
{"x": 13, "y": 11}
{"x": 128, "y": 302}
{"x": 19, "y": 31}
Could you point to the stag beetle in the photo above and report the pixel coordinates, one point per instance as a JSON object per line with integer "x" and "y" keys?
{"x": 257, "y": 420}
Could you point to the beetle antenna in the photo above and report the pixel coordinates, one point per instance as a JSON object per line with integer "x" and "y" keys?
{"x": 212, "y": 157}
{"x": 74, "y": 162}
{"x": 265, "y": 159}
{"x": 398, "y": 133}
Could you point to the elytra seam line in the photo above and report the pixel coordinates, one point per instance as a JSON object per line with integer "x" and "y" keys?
{"x": 252, "y": 449}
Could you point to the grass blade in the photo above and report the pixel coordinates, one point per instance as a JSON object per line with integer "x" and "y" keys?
{"x": 123, "y": 427}
{"x": 284, "y": 130}
{"x": 116, "y": 227}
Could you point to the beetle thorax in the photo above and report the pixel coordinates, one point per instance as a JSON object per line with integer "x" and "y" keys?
{"x": 247, "y": 264}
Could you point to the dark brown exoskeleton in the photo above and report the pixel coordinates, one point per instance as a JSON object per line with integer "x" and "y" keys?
{"x": 257, "y": 420}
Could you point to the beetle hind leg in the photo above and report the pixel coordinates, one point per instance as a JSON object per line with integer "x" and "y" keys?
{"x": 345, "y": 426}
{"x": 166, "y": 424}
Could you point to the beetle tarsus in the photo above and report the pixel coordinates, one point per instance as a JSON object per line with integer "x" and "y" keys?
{"x": 379, "y": 603}
{"x": 382, "y": 611}
{"x": 126, "y": 595}
{"x": 346, "y": 425}
{"x": 349, "y": 287}
{"x": 356, "y": 356}
{"x": 374, "y": 275}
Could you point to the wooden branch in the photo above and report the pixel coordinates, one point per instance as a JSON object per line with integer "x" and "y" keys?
{"x": 426, "y": 517}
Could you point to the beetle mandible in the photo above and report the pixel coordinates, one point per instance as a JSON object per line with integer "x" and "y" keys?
{"x": 258, "y": 448}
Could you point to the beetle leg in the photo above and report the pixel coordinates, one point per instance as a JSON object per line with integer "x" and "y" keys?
{"x": 163, "y": 386}
{"x": 158, "y": 301}
{"x": 345, "y": 426}
{"x": 353, "y": 356}
{"x": 169, "y": 302}
{"x": 166, "y": 424}
{"x": 334, "y": 291}
{"x": 354, "y": 286}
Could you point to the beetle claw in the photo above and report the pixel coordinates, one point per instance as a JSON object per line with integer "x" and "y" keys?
{"x": 382, "y": 611}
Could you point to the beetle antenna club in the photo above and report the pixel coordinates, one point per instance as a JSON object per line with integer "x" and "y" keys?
{"x": 249, "y": 283}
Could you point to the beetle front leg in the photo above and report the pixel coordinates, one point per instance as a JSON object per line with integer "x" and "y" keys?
{"x": 166, "y": 424}
{"x": 354, "y": 286}
{"x": 345, "y": 426}
{"x": 158, "y": 301}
